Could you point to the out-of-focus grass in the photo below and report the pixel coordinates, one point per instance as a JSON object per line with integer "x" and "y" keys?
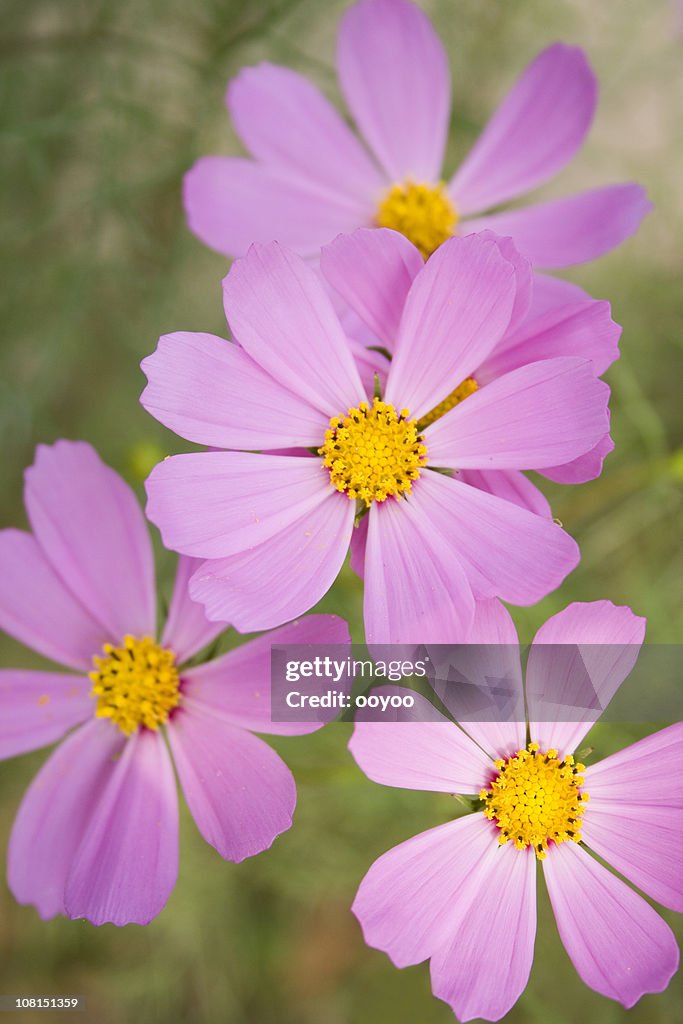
{"x": 104, "y": 106}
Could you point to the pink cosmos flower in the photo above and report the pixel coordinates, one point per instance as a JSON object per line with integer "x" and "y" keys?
{"x": 274, "y": 529}
{"x": 310, "y": 178}
{"x": 463, "y": 895}
{"x": 372, "y": 271}
{"x": 96, "y": 835}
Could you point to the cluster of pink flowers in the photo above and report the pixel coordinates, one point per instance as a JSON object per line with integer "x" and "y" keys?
{"x": 398, "y": 361}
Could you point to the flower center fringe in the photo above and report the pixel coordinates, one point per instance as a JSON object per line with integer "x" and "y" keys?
{"x": 423, "y": 213}
{"x": 463, "y": 391}
{"x": 373, "y": 452}
{"x": 135, "y": 685}
{"x": 535, "y": 799}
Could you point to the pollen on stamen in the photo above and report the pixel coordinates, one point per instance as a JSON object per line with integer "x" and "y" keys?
{"x": 423, "y": 213}
{"x": 136, "y": 684}
{"x": 536, "y": 799}
{"x": 373, "y": 452}
{"x": 457, "y": 395}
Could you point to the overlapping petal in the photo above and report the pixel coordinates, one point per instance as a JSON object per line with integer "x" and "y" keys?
{"x": 373, "y": 269}
{"x": 187, "y": 628}
{"x": 39, "y": 707}
{"x": 618, "y": 944}
{"x": 279, "y": 311}
{"x": 585, "y": 467}
{"x": 457, "y": 310}
{"x": 286, "y": 123}
{"x": 426, "y": 752}
{"x": 306, "y": 555}
{"x": 485, "y": 675}
{"x": 495, "y": 909}
{"x": 92, "y": 530}
{"x": 581, "y": 329}
{"x": 405, "y": 902}
{"x": 240, "y": 792}
{"x": 238, "y": 684}
{"x": 55, "y": 813}
{"x": 127, "y": 862}
{"x": 511, "y": 485}
{"x": 634, "y": 819}
{"x": 577, "y": 661}
{"x": 230, "y": 203}
{"x": 39, "y": 610}
{"x": 210, "y": 391}
{"x": 507, "y": 551}
{"x": 539, "y": 415}
{"x": 213, "y": 504}
{"x": 416, "y": 590}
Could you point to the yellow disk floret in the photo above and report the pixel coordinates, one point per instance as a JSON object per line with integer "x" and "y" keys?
{"x": 136, "y": 684}
{"x": 423, "y": 213}
{"x": 458, "y": 395}
{"x": 373, "y": 453}
{"x": 536, "y": 799}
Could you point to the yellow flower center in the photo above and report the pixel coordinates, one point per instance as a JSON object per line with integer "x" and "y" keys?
{"x": 463, "y": 391}
{"x": 423, "y": 213}
{"x": 135, "y": 685}
{"x": 536, "y": 799}
{"x": 373, "y": 452}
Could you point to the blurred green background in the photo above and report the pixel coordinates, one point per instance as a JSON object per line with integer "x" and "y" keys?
{"x": 104, "y": 106}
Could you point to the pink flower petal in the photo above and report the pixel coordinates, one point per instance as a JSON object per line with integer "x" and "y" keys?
{"x": 407, "y": 900}
{"x": 238, "y": 685}
{"x": 372, "y": 366}
{"x": 511, "y": 485}
{"x": 618, "y": 944}
{"x": 524, "y": 277}
{"x": 231, "y": 203}
{"x": 209, "y": 391}
{"x": 416, "y": 590}
{"x": 431, "y": 754}
{"x": 92, "y": 530}
{"x": 37, "y": 609}
{"x": 489, "y": 658}
{"x": 541, "y": 414}
{"x": 39, "y": 707}
{"x": 187, "y": 628}
{"x": 549, "y": 292}
{"x": 634, "y": 819}
{"x": 483, "y": 967}
{"x": 240, "y": 792}
{"x": 359, "y": 540}
{"x": 127, "y": 862}
{"x": 373, "y": 269}
{"x": 307, "y": 554}
{"x": 584, "y": 329}
{"x": 55, "y": 812}
{"x": 279, "y": 310}
{"x": 536, "y": 130}
{"x": 394, "y": 75}
{"x": 639, "y": 768}
{"x": 562, "y": 232}
{"x": 577, "y": 662}
{"x": 586, "y": 467}
{"x": 287, "y": 124}
{"x": 457, "y": 311}
{"x": 506, "y": 551}
{"x": 212, "y": 504}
